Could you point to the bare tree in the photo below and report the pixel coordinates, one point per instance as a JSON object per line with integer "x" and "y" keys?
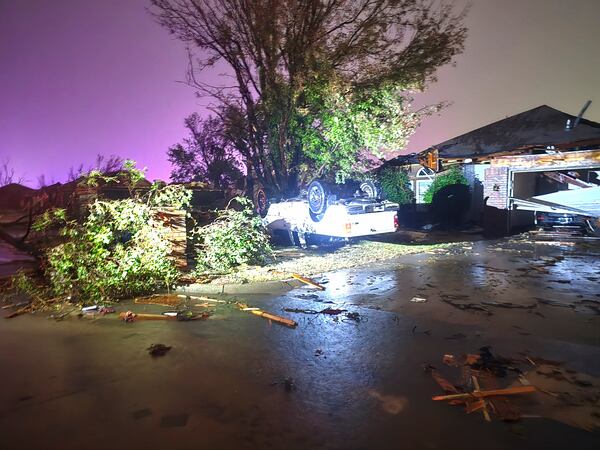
{"x": 280, "y": 52}
{"x": 8, "y": 174}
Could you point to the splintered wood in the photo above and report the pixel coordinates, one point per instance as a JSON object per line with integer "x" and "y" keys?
{"x": 266, "y": 315}
{"x": 308, "y": 281}
{"x": 491, "y": 393}
{"x": 479, "y": 380}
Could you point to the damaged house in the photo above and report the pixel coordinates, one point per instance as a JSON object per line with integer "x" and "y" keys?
{"x": 532, "y": 161}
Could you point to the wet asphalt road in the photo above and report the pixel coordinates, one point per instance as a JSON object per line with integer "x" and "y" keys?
{"x": 239, "y": 381}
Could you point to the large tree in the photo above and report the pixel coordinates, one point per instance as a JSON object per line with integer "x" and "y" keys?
{"x": 314, "y": 86}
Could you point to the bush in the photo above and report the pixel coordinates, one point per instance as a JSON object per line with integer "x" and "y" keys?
{"x": 452, "y": 176}
{"x": 120, "y": 249}
{"x": 395, "y": 184}
{"x": 235, "y": 238}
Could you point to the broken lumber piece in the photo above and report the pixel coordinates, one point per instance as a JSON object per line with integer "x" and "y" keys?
{"x": 130, "y": 317}
{"x": 201, "y": 297}
{"x": 180, "y": 317}
{"x": 491, "y": 393}
{"x": 484, "y": 406}
{"x": 282, "y": 320}
{"x": 274, "y": 317}
{"x": 308, "y": 281}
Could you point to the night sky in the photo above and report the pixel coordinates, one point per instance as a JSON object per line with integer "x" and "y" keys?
{"x": 82, "y": 77}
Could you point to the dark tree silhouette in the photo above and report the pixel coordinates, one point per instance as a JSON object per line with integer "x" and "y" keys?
{"x": 206, "y": 155}
{"x": 103, "y": 164}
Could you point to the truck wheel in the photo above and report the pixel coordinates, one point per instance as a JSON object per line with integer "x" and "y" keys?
{"x": 317, "y": 197}
{"x": 370, "y": 189}
{"x": 261, "y": 201}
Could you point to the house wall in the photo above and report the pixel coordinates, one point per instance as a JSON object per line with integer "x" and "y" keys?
{"x": 495, "y": 187}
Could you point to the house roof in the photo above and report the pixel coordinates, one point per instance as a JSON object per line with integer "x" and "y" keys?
{"x": 537, "y": 127}
{"x": 13, "y": 193}
{"x": 15, "y": 188}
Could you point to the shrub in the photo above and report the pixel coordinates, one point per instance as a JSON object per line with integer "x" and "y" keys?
{"x": 235, "y": 238}
{"x": 120, "y": 249}
{"x": 453, "y": 175}
{"x": 396, "y": 185}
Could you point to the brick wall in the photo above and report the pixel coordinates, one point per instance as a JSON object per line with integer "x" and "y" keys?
{"x": 495, "y": 187}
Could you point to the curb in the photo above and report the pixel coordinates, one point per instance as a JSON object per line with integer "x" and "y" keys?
{"x": 259, "y": 288}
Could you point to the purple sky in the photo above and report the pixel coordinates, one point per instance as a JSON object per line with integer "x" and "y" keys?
{"x": 82, "y": 77}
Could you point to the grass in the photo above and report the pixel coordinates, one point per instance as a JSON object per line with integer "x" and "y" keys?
{"x": 313, "y": 262}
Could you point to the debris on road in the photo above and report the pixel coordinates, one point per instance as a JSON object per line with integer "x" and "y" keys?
{"x": 301, "y": 311}
{"x": 440, "y": 380}
{"x": 354, "y": 316}
{"x": 482, "y": 394}
{"x": 328, "y": 311}
{"x": 308, "y": 281}
{"x": 418, "y": 300}
{"x": 555, "y": 392}
{"x": 86, "y": 309}
{"x": 181, "y": 316}
{"x": 202, "y": 298}
{"x": 275, "y": 318}
{"x": 98, "y": 309}
{"x": 450, "y": 360}
{"x": 332, "y": 311}
{"x": 351, "y": 316}
{"x": 156, "y": 350}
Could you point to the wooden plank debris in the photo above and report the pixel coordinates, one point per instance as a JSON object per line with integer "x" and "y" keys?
{"x": 491, "y": 393}
{"x": 267, "y": 315}
{"x": 484, "y": 406}
{"x": 308, "y": 281}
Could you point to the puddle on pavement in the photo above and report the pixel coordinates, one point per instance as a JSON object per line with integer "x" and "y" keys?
{"x": 240, "y": 381}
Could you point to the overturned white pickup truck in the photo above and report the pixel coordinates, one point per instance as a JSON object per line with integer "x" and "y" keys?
{"x": 320, "y": 213}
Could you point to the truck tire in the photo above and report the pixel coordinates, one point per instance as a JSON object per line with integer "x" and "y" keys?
{"x": 261, "y": 201}
{"x": 317, "y": 194}
{"x": 370, "y": 189}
